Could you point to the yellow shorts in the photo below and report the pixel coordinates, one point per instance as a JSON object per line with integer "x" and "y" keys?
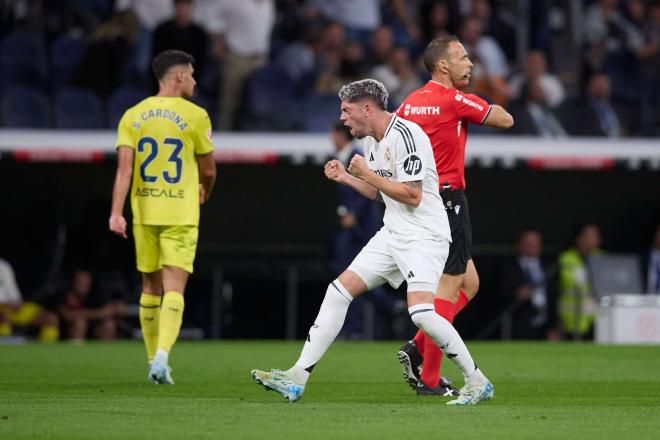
{"x": 158, "y": 246}
{"x": 24, "y": 315}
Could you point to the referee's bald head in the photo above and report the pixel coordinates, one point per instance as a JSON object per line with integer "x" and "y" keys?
{"x": 437, "y": 50}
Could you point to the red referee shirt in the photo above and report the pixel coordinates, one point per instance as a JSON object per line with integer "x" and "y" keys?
{"x": 443, "y": 115}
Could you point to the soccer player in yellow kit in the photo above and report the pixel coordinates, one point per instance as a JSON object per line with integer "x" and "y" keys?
{"x": 164, "y": 145}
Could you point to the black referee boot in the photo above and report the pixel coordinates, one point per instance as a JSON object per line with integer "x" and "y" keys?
{"x": 440, "y": 390}
{"x": 411, "y": 361}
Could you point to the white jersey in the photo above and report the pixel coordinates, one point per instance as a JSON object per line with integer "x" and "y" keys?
{"x": 405, "y": 155}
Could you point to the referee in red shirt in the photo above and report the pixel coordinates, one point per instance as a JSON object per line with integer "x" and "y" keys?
{"x": 443, "y": 112}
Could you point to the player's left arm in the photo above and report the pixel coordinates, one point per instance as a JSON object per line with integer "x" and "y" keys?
{"x": 409, "y": 193}
{"x": 120, "y": 188}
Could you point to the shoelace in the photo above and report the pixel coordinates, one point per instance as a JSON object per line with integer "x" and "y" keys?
{"x": 282, "y": 377}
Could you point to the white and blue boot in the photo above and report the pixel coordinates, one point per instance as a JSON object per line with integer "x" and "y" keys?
{"x": 473, "y": 394}
{"x": 160, "y": 373}
{"x": 280, "y": 381}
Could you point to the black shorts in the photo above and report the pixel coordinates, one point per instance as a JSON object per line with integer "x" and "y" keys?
{"x": 458, "y": 213}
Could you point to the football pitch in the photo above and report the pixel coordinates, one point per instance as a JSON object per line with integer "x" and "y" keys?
{"x": 542, "y": 391}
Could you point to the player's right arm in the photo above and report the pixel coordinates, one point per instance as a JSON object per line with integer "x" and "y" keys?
{"x": 334, "y": 170}
{"x": 120, "y": 188}
{"x": 125, "y": 156}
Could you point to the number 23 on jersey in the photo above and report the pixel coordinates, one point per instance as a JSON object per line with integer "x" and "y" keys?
{"x": 151, "y": 147}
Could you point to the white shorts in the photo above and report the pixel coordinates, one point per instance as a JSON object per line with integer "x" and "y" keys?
{"x": 384, "y": 259}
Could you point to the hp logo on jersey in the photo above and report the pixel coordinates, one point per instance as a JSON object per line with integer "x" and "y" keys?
{"x": 412, "y": 165}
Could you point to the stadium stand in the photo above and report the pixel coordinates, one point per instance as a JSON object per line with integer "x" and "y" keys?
{"x": 24, "y": 107}
{"x": 78, "y": 109}
{"x": 23, "y": 61}
{"x": 65, "y": 56}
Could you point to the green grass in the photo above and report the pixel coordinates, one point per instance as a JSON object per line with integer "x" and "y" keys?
{"x": 98, "y": 391}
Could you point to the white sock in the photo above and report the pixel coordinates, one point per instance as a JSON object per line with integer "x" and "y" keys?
{"x": 298, "y": 374}
{"x": 326, "y": 327}
{"x": 447, "y": 338}
{"x": 161, "y": 356}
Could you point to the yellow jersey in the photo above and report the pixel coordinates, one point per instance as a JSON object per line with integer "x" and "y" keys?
{"x": 166, "y": 134}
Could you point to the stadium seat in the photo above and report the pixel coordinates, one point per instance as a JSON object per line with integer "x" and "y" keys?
{"x": 271, "y": 103}
{"x": 25, "y": 108}
{"x": 65, "y": 55}
{"x": 100, "y": 9}
{"x": 78, "y": 108}
{"x": 22, "y": 61}
{"x": 306, "y": 85}
{"x": 320, "y": 111}
{"x": 121, "y": 100}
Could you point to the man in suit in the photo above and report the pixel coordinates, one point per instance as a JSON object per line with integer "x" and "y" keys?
{"x": 359, "y": 219}
{"x": 596, "y": 114}
{"x": 653, "y": 265}
{"x": 528, "y": 290}
{"x": 533, "y": 115}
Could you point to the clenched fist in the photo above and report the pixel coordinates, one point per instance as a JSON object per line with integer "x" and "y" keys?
{"x": 358, "y": 167}
{"x": 334, "y": 170}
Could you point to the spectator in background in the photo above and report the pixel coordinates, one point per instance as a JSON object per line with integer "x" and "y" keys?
{"x": 240, "y": 35}
{"x": 596, "y": 114}
{"x": 182, "y": 34}
{"x": 527, "y": 289}
{"x": 320, "y": 52}
{"x": 351, "y": 67}
{"x": 398, "y": 76}
{"x": 653, "y": 266}
{"x": 149, "y": 13}
{"x": 333, "y": 39}
{"x": 533, "y": 114}
{"x": 536, "y": 67}
{"x": 498, "y": 26}
{"x": 407, "y": 19}
{"x": 490, "y": 66}
{"x": 359, "y": 17}
{"x": 82, "y": 304}
{"x": 435, "y": 19}
{"x": 380, "y": 46}
{"x": 15, "y": 311}
{"x": 647, "y": 52}
{"x": 607, "y": 32}
{"x": 103, "y": 64}
{"x": 300, "y": 58}
{"x": 359, "y": 219}
{"x": 635, "y": 13}
{"x": 577, "y": 305}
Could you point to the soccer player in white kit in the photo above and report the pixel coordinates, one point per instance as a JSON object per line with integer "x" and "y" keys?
{"x": 398, "y": 168}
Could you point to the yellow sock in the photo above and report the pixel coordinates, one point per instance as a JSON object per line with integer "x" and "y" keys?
{"x": 171, "y": 315}
{"x": 5, "y": 329}
{"x": 149, "y": 322}
{"x": 49, "y": 333}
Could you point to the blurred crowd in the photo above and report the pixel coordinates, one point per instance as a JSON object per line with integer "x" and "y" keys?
{"x": 539, "y": 296}
{"x": 277, "y": 65}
